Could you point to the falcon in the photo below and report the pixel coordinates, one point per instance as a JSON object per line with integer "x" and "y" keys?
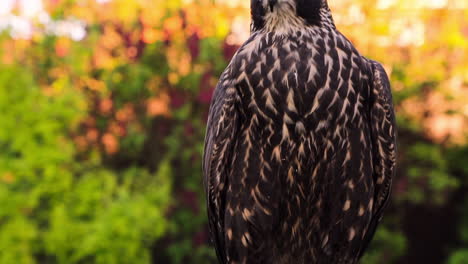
{"x": 300, "y": 143}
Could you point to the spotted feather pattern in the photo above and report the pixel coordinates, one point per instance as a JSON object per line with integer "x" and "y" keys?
{"x": 300, "y": 146}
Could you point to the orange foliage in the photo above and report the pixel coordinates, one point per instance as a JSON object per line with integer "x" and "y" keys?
{"x": 158, "y": 106}
{"x": 110, "y": 142}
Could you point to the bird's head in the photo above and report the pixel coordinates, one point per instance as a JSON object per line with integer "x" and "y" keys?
{"x": 271, "y": 13}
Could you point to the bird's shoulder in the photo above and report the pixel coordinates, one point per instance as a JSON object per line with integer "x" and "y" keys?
{"x": 305, "y": 45}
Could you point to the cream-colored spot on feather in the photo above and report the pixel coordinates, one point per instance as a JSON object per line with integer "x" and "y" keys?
{"x": 314, "y": 173}
{"x": 246, "y": 214}
{"x": 244, "y": 241}
{"x": 351, "y": 184}
{"x": 287, "y": 119}
{"x": 301, "y": 150}
{"x": 347, "y": 205}
{"x": 361, "y": 210}
{"x": 380, "y": 180}
{"x": 248, "y": 237}
{"x": 290, "y": 176}
{"x": 285, "y": 133}
{"x": 290, "y": 101}
{"x": 352, "y": 234}
{"x": 277, "y": 153}
{"x": 300, "y": 128}
{"x": 371, "y": 204}
{"x": 270, "y": 103}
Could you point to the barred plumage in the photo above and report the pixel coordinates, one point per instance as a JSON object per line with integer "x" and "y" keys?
{"x": 300, "y": 144}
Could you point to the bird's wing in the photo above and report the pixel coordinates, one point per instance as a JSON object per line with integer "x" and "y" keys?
{"x": 383, "y": 131}
{"x": 222, "y": 127}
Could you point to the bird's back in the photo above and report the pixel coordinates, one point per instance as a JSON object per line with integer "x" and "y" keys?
{"x": 300, "y": 184}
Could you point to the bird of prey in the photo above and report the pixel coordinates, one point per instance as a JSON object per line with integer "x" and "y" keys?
{"x": 300, "y": 142}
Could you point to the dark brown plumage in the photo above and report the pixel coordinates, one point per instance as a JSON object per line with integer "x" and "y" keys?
{"x": 300, "y": 143}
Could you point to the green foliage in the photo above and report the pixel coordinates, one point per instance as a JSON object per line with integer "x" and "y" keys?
{"x": 387, "y": 244}
{"x": 428, "y": 168}
{"x": 459, "y": 257}
{"x": 60, "y": 209}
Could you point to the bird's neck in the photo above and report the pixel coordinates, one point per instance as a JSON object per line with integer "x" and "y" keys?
{"x": 284, "y": 19}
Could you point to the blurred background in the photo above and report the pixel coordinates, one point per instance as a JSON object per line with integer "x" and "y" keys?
{"x": 103, "y": 105}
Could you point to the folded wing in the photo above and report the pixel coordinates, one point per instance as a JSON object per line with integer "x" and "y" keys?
{"x": 383, "y": 131}
{"x": 222, "y": 128}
